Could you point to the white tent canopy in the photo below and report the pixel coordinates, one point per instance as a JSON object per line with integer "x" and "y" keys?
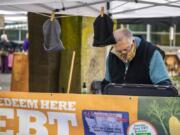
{"x": 118, "y": 8}
{"x": 13, "y": 17}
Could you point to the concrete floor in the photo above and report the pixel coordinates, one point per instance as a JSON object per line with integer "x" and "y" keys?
{"x": 5, "y": 81}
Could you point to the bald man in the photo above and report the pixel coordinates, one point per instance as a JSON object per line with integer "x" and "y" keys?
{"x": 134, "y": 60}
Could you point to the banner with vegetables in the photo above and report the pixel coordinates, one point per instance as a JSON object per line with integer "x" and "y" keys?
{"x": 84, "y": 114}
{"x": 162, "y": 113}
{"x": 65, "y": 114}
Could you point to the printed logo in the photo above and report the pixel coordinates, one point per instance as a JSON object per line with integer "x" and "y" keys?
{"x": 141, "y": 128}
{"x": 105, "y": 122}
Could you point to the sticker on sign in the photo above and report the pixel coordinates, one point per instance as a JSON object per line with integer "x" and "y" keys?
{"x": 141, "y": 128}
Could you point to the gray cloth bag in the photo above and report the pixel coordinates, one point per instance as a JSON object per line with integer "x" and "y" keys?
{"x": 51, "y": 33}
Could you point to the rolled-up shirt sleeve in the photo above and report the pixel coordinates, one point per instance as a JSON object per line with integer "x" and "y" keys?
{"x": 157, "y": 70}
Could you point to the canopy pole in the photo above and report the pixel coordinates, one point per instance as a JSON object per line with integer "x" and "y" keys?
{"x": 146, "y": 7}
{"x": 108, "y": 6}
{"x": 83, "y": 5}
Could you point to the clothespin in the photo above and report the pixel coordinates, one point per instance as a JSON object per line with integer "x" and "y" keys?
{"x": 52, "y": 15}
{"x": 102, "y": 11}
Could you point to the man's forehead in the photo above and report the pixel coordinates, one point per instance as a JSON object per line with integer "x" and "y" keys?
{"x": 122, "y": 36}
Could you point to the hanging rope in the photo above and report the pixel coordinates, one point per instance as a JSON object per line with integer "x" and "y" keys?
{"x": 120, "y": 5}
{"x": 42, "y": 14}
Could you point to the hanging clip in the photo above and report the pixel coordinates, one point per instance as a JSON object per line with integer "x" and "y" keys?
{"x": 102, "y": 11}
{"x": 52, "y": 15}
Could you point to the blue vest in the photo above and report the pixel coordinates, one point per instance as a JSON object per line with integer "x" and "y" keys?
{"x": 138, "y": 69}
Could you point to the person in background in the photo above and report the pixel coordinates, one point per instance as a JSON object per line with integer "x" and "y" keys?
{"x": 135, "y": 61}
{"x": 163, "y": 54}
{"x": 26, "y": 43}
{"x": 4, "y": 53}
{"x": 178, "y": 54}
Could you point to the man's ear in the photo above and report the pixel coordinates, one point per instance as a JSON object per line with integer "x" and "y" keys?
{"x": 133, "y": 41}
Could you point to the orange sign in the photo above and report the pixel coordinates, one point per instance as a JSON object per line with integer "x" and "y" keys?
{"x": 62, "y": 114}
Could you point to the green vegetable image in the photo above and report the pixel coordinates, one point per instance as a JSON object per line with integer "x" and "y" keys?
{"x": 163, "y": 113}
{"x": 174, "y": 126}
